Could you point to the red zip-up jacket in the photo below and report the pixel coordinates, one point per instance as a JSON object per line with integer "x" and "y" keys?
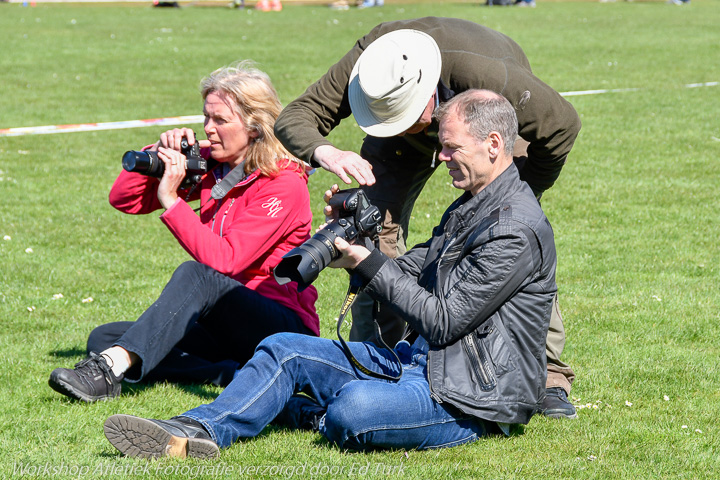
{"x": 244, "y": 235}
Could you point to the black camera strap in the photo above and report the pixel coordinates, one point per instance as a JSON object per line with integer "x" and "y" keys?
{"x": 220, "y": 189}
{"x": 353, "y": 290}
{"x": 236, "y": 175}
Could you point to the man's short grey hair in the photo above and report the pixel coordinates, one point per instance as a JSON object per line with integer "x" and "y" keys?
{"x": 483, "y": 111}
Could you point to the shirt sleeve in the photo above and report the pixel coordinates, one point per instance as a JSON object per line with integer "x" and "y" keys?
{"x": 545, "y": 119}
{"x": 136, "y": 194}
{"x": 249, "y": 232}
{"x": 303, "y": 125}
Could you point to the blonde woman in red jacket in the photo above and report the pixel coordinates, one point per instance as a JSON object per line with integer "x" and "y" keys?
{"x": 215, "y": 310}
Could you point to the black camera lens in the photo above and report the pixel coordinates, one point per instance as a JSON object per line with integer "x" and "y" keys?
{"x": 146, "y": 163}
{"x": 358, "y": 219}
{"x": 303, "y": 264}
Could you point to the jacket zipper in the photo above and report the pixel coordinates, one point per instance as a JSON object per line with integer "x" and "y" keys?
{"x": 478, "y": 359}
{"x": 433, "y": 395}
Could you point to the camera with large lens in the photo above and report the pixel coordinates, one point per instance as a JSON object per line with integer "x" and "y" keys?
{"x": 148, "y": 163}
{"x": 358, "y": 219}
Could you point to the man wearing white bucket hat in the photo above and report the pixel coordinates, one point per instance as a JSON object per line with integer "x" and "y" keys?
{"x": 391, "y": 81}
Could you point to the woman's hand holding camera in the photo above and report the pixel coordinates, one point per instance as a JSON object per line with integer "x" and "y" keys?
{"x": 172, "y": 178}
{"x": 169, "y": 148}
{"x": 172, "y": 139}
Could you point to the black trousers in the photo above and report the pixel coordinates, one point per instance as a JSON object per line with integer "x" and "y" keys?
{"x": 202, "y": 328}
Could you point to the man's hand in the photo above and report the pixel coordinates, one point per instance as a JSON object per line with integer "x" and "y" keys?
{"x": 343, "y": 163}
{"x": 330, "y": 213}
{"x": 352, "y": 255}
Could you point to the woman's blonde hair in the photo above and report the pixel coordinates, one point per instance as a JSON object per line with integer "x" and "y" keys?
{"x": 255, "y": 100}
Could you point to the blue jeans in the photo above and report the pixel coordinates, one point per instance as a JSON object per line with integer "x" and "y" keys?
{"x": 202, "y": 328}
{"x": 361, "y": 412}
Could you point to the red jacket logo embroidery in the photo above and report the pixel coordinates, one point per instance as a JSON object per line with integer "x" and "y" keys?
{"x": 273, "y": 206}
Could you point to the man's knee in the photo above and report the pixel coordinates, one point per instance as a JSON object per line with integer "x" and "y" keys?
{"x": 278, "y": 342}
{"x": 351, "y": 416}
{"x": 288, "y": 345}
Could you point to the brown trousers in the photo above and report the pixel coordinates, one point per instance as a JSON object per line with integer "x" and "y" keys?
{"x": 402, "y": 166}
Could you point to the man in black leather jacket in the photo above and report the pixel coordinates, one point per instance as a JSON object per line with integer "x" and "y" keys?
{"x": 391, "y": 81}
{"x": 479, "y": 295}
{"x": 480, "y": 291}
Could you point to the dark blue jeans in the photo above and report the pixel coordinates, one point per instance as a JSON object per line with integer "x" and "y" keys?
{"x": 361, "y": 412}
{"x": 201, "y": 329}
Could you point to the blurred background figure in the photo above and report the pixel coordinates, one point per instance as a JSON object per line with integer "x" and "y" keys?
{"x": 371, "y": 3}
{"x": 268, "y": 5}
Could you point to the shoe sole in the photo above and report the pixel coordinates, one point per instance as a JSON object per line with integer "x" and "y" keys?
{"x": 142, "y": 438}
{"x": 551, "y": 414}
{"x": 68, "y": 390}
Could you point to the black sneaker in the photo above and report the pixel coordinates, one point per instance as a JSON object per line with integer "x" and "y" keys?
{"x": 179, "y": 437}
{"x": 556, "y": 404}
{"x": 302, "y": 413}
{"x": 91, "y": 380}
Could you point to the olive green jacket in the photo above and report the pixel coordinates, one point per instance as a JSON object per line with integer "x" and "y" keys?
{"x": 473, "y": 56}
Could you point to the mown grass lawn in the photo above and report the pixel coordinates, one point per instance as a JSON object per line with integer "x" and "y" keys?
{"x": 635, "y": 213}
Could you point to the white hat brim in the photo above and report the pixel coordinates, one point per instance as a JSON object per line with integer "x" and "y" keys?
{"x": 430, "y": 62}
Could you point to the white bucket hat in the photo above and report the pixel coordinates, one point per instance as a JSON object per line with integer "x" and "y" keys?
{"x": 393, "y": 80}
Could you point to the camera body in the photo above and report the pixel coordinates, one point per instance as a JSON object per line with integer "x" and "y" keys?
{"x": 148, "y": 163}
{"x": 357, "y": 219}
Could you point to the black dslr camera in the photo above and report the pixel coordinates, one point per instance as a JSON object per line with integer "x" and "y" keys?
{"x": 148, "y": 163}
{"x": 358, "y": 219}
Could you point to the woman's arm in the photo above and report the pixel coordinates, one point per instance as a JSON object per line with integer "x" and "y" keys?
{"x": 276, "y": 216}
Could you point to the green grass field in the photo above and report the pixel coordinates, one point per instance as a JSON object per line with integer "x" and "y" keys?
{"x": 635, "y": 214}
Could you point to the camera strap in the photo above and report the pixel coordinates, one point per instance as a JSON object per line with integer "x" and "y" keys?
{"x": 220, "y": 189}
{"x": 353, "y": 290}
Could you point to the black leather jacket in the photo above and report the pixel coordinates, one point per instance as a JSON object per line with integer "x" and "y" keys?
{"x": 480, "y": 291}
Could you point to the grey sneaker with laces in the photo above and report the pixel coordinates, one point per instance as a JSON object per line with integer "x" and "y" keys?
{"x": 91, "y": 380}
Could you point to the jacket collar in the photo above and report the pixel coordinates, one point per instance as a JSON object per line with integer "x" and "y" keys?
{"x": 246, "y": 180}
{"x": 490, "y": 197}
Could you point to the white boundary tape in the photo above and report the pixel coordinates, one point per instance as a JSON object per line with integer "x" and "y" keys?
{"x": 193, "y": 119}
{"x": 618, "y": 90}
{"x": 87, "y": 127}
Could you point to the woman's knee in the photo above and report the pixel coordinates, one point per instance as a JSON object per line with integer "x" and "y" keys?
{"x": 189, "y": 269}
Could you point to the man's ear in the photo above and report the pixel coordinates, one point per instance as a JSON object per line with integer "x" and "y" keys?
{"x": 495, "y": 144}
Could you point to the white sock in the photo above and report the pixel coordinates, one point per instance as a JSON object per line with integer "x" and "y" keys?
{"x": 117, "y": 358}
